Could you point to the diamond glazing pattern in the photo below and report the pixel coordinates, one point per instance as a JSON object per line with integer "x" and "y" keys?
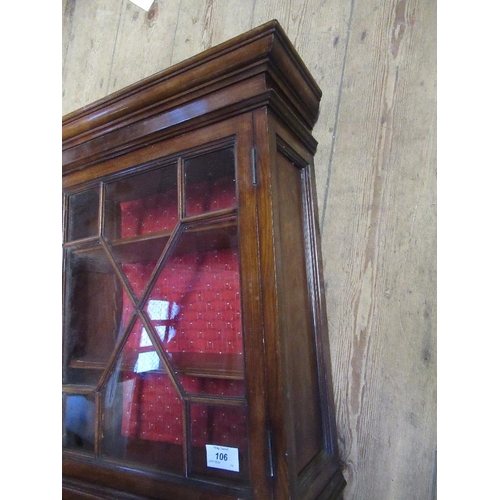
{"x": 195, "y": 308}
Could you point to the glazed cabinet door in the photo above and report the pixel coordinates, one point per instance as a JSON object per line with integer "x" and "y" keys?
{"x": 162, "y": 320}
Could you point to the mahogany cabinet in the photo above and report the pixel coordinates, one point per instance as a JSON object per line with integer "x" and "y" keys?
{"x": 195, "y": 346}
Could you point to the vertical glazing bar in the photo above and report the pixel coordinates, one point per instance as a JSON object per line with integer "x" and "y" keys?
{"x": 65, "y": 265}
{"x": 101, "y": 209}
{"x": 181, "y": 206}
{"x": 186, "y": 408}
{"x": 65, "y": 218}
{"x": 98, "y": 424}
{"x": 63, "y": 422}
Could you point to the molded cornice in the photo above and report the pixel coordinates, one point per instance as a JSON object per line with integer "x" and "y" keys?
{"x": 258, "y": 68}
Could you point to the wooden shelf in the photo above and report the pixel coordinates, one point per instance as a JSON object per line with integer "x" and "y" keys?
{"x": 142, "y": 248}
{"x": 209, "y": 365}
{"x": 203, "y": 365}
{"x": 196, "y": 237}
{"x": 78, "y": 389}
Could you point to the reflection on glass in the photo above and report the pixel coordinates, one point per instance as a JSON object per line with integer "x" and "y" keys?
{"x": 78, "y": 422}
{"x": 220, "y": 426}
{"x": 142, "y": 204}
{"x": 83, "y": 217}
{"x": 162, "y": 314}
{"x": 196, "y": 300}
{"x": 143, "y": 414}
{"x": 97, "y": 311}
{"x": 193, "y": 312}
{"x": 141, "y": 211}
{"x": 137, "y": 261}
{"x": 210, "y": 182}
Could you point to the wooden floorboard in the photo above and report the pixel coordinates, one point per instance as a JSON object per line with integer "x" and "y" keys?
{"x": 376, "y": 180}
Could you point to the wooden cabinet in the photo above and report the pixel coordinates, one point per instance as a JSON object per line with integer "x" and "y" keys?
{"x": 195, "y": 347}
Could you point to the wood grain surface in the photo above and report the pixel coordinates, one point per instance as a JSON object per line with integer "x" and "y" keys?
{"x": 376, "y": 183}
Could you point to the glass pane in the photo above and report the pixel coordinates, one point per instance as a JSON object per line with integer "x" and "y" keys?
{"x": 97, "y": 312}
{"x": 143, "y": 415}
{"x": 138, "y": 259}
{"x": 210, "y": 182}
{"x": 78, "y": 422}
{"x": 219, "y": 441}
{"x": 83, "y": 220}
{"x": 196, "y": 301}
{"x": 142, "y": 204}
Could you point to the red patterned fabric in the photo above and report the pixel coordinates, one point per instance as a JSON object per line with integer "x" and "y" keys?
{"x": 153, "y": 411}
{"x": 195, "y": 307}
{"x": 148, "y": 215}
{"x": 210, "y": 196}
{"x": 160, "y": 212}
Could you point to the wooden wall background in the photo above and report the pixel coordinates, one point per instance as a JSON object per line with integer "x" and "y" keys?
{"x": 375, "y": 61}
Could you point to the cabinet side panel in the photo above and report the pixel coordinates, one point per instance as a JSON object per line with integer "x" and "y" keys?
{"x": 296, "y": 315}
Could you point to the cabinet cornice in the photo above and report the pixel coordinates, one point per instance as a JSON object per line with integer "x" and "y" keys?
{"x": 252, "y": 70}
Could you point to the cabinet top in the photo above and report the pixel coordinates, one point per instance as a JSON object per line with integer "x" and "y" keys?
{"x": 260, "y": 67}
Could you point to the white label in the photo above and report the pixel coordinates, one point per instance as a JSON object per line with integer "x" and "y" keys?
{"x": 222, "y": 457}
{"x": 143, "y": 4}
